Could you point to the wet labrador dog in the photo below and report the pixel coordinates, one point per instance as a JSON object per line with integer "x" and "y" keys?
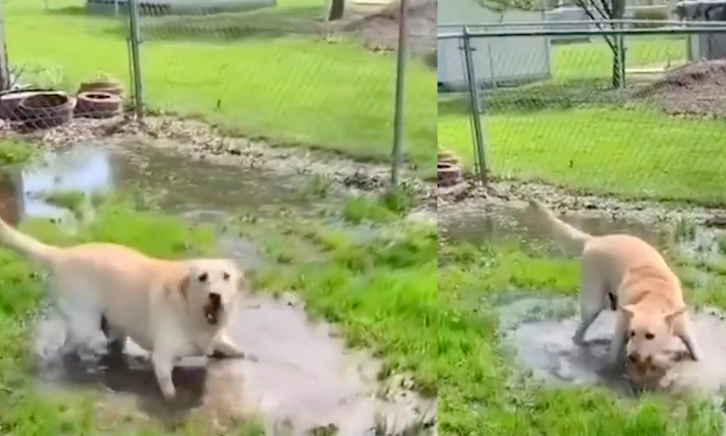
{"x": 625, "y": 272}
{"x": 171, "y": 308}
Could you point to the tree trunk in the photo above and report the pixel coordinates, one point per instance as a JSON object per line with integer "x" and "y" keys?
{"x": 618, "y": 13}
{"x": 337, "y": 8}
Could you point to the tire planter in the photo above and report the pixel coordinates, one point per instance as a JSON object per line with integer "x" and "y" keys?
{"x": 448, "y": 174}
{"x": 101, "y": 86}
{"x": 43, "y": 110}
{"x": 10, "y": 101}
{"x": 96, "y": 104}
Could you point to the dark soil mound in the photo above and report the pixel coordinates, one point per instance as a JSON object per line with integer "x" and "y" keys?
{"x": 695, "y": 89}
{"x": 380, "y": 30}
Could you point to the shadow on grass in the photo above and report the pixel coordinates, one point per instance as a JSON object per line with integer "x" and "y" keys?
{"x": 265, "y": 23}
{"x": 549, "y": 95}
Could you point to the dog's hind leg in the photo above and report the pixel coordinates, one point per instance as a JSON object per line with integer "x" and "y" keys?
{"x": 116, "y": 339}
{"x": 591, "y": 302}
{"x": 81, "y": 327}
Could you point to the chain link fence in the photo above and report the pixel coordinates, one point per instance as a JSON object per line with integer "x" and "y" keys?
{"x": 635, "y": 112}
{"x": 282, "y": 71}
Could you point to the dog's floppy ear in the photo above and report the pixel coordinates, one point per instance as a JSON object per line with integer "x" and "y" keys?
{"x": 628, "y": 309}
{"x": 670, "y": 316}
{"x": 182, "y": 286}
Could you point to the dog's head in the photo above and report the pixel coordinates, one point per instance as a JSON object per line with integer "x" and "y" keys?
{"x": 649, "y": 332}
{"x": 647, "y": 373}
{"x": 212, "y": 287}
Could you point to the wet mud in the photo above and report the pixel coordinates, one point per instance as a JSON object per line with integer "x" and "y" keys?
{"x": 304, "y": 377}
{"x": 545, "y": 346}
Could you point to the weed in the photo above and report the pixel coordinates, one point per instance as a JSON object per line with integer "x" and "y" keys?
{"x": 359, "y": 208}
{"x": 15, "y": 152}
{"x": 318, "y": 186}
{"x": 684, "y": 230}
{"x": 378, "y": 208}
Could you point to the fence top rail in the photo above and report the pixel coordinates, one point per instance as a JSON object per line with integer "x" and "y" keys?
{"x": 587, "y": 23}
{"x": 467, "y": 33}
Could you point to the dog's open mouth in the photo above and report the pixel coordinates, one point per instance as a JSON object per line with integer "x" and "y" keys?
{"x": 213, "y": 309}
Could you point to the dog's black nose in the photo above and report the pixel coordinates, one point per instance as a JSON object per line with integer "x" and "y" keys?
{"x": 634, "y": 357}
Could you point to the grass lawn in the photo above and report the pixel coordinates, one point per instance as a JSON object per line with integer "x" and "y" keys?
{"x": 595, "y": 60}
{"x": 629, "y": 152}
{"x": 381, "y": 291}
{"x": 259, "y": 74}
{"x": 482, "y": 392}
{"x": 573, "y": 131}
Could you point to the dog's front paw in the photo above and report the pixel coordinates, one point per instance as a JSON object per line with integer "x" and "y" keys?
{"x": 168, "y": 391}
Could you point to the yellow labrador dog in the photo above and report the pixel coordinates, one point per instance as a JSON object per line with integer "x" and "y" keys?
{"x": 625, "y": 272}
{"x": 173, "y": 309}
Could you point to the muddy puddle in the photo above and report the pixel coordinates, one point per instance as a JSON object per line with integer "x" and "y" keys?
{"x": 543, "y": 343}
{"x": 304, "y": 377}
{"x": 504, "y": 221}
{"x": 177, "y": 183}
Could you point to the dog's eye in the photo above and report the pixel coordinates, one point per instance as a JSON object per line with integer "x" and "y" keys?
{"x": 225, "y": 275}
{"x": 632, "y": 333}
{"x": 203, "y": 277}
{"x": 649, "y": 336}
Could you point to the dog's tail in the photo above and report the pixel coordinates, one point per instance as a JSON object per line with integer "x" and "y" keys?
{"x": 25, "y": 244}
{"x": 574, "y": 238}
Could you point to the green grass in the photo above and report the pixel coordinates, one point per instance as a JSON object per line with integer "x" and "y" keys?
{"x": 16, "y": 152}
{"x": 481, "y": 391}
{"x": 380, "y": 288}
{"x": 258, "y": 74}
{"x": 636, "y": 153}
{"x": 576, "y": 132}
{"x": 595, "y": 60}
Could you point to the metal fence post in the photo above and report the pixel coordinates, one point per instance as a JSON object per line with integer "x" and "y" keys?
{"x": 475, "y": 106}
{"x": 399, "y": 115}
{"x": 5, "y": 80}
{"x": 134, "y": 42}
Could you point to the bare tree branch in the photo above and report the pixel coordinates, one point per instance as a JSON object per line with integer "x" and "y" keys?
{"x": 609, "y": 40}
{"x": 604, "y": 6}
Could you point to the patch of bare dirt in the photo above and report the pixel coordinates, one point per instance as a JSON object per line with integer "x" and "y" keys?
{"x": 696, "y": 89}
{"x": 380, "y": 30}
